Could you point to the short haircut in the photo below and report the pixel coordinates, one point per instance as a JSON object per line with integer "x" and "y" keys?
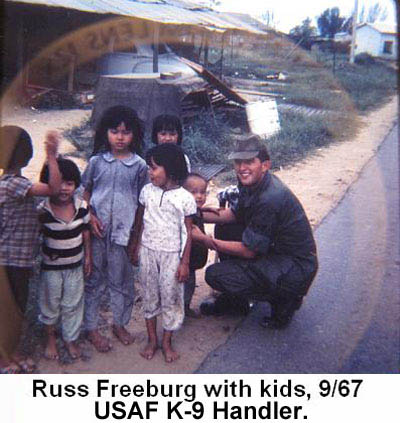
{"x": 171, "y": 158}
{"x": 263, "y": 154}
{"x": 196, "y": 175}
{"x": 68, "y": 169}
{"x": 166, "y": 123}
{"x": 111, "y": 119}
{"x": 15, "y": 147}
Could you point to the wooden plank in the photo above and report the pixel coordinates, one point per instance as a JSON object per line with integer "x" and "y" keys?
{"x": 208, "y": 171}
{"x": 259, "y": 93}
{"x": 215, "y": 81}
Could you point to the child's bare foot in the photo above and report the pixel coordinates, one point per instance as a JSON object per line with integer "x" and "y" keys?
{"x": 73, "y": 350}
{"x": 189, "y": 312}
{"x": 149, "y": 351}
{"x": 26, "y": 364}
{"x": 9, "y": 368}
{"x": 51, "y": 351}
{"x": 123, "y": 335}
{"x": 170, "y": 354}
{"x": 101, "y": 343}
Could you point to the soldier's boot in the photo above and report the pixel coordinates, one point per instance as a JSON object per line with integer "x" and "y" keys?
{"x": 282, "y": 313}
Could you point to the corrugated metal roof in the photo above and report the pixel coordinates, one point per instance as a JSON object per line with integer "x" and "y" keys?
{"x": 162, "y": 11}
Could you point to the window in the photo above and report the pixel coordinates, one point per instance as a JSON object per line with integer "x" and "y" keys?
{"x": 388, "y": 47}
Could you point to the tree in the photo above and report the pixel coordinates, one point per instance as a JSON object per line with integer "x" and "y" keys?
{"x": 268, "y": 18}
{"x": 303, "y": 33}
{"x": 210, "y": 3}
{"x": 330, "y": 22}
{"x": 348, "y": 25}
{"x": 376, "y": 13}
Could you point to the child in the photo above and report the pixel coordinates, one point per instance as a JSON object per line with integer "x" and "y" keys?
{"x": 167, "y": 129}
{"x": 18, "y": 219}
{"x": 197, "y": 186}
{"x": 113, "y": 180}
{"x": 66, "y": 243}
{"x": 164, "y": 231}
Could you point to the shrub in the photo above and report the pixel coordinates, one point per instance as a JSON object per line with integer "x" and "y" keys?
{"x": 369, "y": 86}
{"x": 364, "y": 59}
{"x": 300, "y": 135}
{"x": 208, "y": 138}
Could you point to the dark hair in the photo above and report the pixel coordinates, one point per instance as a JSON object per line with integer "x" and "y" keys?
{"x": 166, "y": 123}
{"x": 68, "y": 169}
{"x": 111, "y": 119}
{"x": 171, "y": 158}
{"x": 263, "y": 154}
{"x": 15, "y": 147}
{"x": 196, "y": 175}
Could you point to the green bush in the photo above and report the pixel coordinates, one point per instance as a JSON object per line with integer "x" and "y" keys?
{"x": 208, "y": 138}
{"x": 364, "y": 59}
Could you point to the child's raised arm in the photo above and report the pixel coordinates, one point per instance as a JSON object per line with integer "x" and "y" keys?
{"x": 54, "y": 185}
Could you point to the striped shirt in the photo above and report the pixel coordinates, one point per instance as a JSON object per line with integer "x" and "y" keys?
{"x": 62, "y": 246}
{"x": 19, "y": 226}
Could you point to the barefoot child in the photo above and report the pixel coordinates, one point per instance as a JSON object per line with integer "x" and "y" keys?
{"x": 19, "y": 221}
{"x": 197, "y": 186}
{"x": 66, "y": 257}
{"x": 164, "y": 220}
{"x": 113, "y": 180}
{"x": 167, "y": 129}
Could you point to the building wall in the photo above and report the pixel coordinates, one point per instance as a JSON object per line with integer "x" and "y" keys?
{"x": 371, "y": 41}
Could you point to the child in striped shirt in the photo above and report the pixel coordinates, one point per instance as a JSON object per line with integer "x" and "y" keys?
{"x": 66, "y": 259}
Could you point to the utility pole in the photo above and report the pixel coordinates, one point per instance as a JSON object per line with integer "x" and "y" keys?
{"x": 353, "y": 32}
{"x": 156, "y": 43}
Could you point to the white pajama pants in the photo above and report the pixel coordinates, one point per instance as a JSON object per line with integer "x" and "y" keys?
{"x": 61, "y": 295}
{"x": 162, "y": 293}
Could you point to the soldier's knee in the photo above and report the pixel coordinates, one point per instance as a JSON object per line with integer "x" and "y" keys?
{"x": 214, "y": 276}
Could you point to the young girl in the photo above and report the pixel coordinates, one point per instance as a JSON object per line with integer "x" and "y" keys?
{"x": 163, "y": 228}
{"x": 113, "y": 180}
{"x": 167, "y": 129}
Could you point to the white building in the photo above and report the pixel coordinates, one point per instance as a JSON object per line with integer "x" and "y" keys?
{"x": 342, "y": 37}
{"x": 377, "y": 39}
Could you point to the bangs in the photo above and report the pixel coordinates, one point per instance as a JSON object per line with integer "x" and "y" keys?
{"x": 168, "y": 126}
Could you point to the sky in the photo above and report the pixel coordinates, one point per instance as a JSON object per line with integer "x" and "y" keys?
{"x": 289, "y": 13}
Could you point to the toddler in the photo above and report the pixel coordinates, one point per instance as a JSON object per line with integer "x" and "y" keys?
{"x": 66, "y": 256}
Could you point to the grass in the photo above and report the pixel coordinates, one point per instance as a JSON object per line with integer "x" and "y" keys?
{"x": 209, "y": 138}
{"x": 81, "y": 137}
{"x": 301, "y": 135}
{"x": 370, "y": 85}
{"x": 311, "y": 83}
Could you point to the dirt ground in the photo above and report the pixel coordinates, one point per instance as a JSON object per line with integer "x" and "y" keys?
{"x": 319, "y": 181}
